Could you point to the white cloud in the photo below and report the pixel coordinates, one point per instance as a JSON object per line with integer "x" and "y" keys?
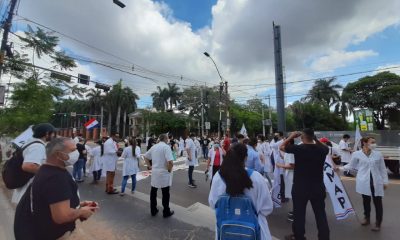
{"x": 338, "y": 59}
{"x": 239, "y": 38}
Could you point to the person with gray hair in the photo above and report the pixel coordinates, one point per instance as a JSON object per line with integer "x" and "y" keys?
{"x": 159, "y": 159}
{"x": 53, "y": 197}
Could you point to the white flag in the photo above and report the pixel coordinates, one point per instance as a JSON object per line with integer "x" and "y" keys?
{"x": 357, "y": 138}
{"x": 23, "y": 137}
{"x": 243, "y": 130}
{"x": 339, "y": 198}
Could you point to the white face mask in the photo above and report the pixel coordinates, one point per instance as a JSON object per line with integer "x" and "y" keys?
{"x": 372, "y": 146}
{"x": 73, "y": 158}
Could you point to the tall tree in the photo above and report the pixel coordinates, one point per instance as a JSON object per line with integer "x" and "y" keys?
{"x": 128, "y": 105}
{"x": 325, "y": 91}
{"x": 95, "y": 99}
{"x": 160, "y": 99}
{"x": 174, "y": 94}
{"x": 380, "y": 93}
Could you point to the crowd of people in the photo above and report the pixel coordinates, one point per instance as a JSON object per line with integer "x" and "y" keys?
{"x": 239, "y": 167}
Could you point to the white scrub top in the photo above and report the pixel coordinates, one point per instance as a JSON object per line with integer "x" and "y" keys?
{"x": 259, "y": 195}
{"x": 160, "y": 154}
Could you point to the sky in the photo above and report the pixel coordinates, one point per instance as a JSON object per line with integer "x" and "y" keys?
{"x": 164, "y": 41}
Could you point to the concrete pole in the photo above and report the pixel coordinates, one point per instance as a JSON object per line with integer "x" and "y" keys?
{"x": 202, "y": 112}
{"x": 280, "y": 93}
{"x": 101, "y": 121}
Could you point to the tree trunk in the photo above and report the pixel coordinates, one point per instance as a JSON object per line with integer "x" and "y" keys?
{"x": 118, "y": 119}
{"x": 124, "y": 126}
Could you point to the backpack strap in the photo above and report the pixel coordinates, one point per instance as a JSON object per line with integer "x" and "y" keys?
{"x": 27, "y": 145}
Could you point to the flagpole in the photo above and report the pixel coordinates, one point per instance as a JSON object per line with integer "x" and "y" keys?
{"x": 101, "y": 122}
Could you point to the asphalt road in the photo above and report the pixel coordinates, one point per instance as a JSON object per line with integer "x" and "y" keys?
{"x": 129, "y": 217}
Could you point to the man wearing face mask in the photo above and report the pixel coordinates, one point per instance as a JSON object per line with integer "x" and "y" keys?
{"x": 53, "y": 197}
{"x": 371, "y": 180}
{"x": 34, "y": 154}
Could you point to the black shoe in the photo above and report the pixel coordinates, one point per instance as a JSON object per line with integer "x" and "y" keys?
{"x": 113, "y": 192}
{"x": 154, "y": 213}
{"x": 168, "y": 214}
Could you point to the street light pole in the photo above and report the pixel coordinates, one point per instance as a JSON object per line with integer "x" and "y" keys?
{"x": 220, "y": 96}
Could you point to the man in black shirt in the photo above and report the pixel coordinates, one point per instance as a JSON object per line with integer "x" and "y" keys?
{"x": 55, "y": 200}
{"x": 308, "y": 183}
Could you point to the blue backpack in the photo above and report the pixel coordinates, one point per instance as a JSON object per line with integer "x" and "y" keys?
{"x": 237, "y": 217}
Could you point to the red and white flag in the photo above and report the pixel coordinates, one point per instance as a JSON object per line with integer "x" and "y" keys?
{"x": 91, "y": 123}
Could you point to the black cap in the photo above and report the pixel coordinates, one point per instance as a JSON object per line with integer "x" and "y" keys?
{"x": 40, "y": 130}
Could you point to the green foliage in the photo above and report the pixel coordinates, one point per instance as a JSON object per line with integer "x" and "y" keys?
{"x": 165, "y": 98}
{"x": 31, "y": 104}
{"x": 316, "y": 116}
{"x": 167, "y": 122}
{"x": 325, "y": 92}
{"x": 380, "y": 92}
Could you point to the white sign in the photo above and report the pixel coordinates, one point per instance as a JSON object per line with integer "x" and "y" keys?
{"x": 208, "y": 125}
{"x": 334, "y": 186}
{"x": 23, "y": 137}
{"x": 73, "y": 114}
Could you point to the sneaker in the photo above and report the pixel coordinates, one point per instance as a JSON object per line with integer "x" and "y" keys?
{"x": 290, "y": 218}
{"x": 365, "y": 222}
{"x": 377, "y": 228}
{"x": 132, "y": 192}
{"x": 290, "y": 214}
{"x": 113, "y": 192}
{"x": 192, "y": 185}
{"x": 122, "y": 194}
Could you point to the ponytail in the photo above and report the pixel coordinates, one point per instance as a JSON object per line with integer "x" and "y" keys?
{"x": 132, "y": 142}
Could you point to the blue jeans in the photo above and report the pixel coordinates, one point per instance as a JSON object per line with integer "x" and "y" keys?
{"x": 205, "y": 152}
{"x": 77, "y": 170}
{"x": 125, "y": 181}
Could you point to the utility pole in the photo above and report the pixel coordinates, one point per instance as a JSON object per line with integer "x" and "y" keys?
{"x": 270, "y": 113}
{"x": 202, "y": 112}
{"x": 221, "y": 87}
{"x": 101, "y": 121}
{"x": 280, "y": 93}
{"x": 6, "y": 27}
{"x": 228, "y": 122}
{"x": 263, "y": 120}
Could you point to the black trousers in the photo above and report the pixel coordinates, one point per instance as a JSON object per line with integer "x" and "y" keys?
{"x": 190, "y": 173}
{"x": 96, "y": 175}
{"x": 165, "y": 200}
{"x": 377, "y": 202}
{"x": 316, "y": 195}
{"x": 282, "y": 191}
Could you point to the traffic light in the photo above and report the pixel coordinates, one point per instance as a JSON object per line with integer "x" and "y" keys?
{"x": 104, "y": 87}
{"x": 83, "y": 79}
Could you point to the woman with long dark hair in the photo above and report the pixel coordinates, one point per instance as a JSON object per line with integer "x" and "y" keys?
{"x": 130, "y": 168}
{"x": 96, "y": 161}
{"x": 234, "y": 180}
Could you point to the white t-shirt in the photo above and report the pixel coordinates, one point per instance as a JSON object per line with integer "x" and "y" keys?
{"x": 35, "y": 153}
{"x": 345, "y": 155}
{"x": 160, "y": 154}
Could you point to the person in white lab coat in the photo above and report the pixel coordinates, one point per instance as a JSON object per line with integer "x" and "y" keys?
{"x": 234, "y": 180}
{"x": 215, "y": 159}
{"x": 110, "y": 158}
{"x": 191, "y": 161}
{"x": 181, "y": 146}
{"x": 96, "y": 165}
{"x": 264, "y": 148}
{"x": 278, "y": 158}
{"x": 131, "y": 155}
{"x": 161, "y": 166}
{"x": 371, "y": 180}
{"x": 288, "y": 166}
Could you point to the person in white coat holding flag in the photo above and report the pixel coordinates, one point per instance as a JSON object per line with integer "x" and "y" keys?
{"x": 371, "y": 180}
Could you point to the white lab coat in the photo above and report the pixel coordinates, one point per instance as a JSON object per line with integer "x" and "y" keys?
{"x": 289, "y": 159}
{"x": 344, "y": 155}
{"x": 366, "y": 165}
{"x": 211, "y": 155}
{"x": 277, "y": 155}
{"x": 160, "y": 154}
{"x": 198, "y": 147}
{"x": 97, "y": 159}
{"x": 190, "y": 145}
{"x": 259, "y": 195}
{"x": 110, "y": 155}
{"x": 131, "y": 162}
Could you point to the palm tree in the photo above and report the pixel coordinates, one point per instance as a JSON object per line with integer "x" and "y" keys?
{"x": 95, "y": 100}
{"x": 128, "y": 104}
{"x": 160, "y": 98}
{"x": 174, "y": 94}
{"x": 325, "y": 92}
